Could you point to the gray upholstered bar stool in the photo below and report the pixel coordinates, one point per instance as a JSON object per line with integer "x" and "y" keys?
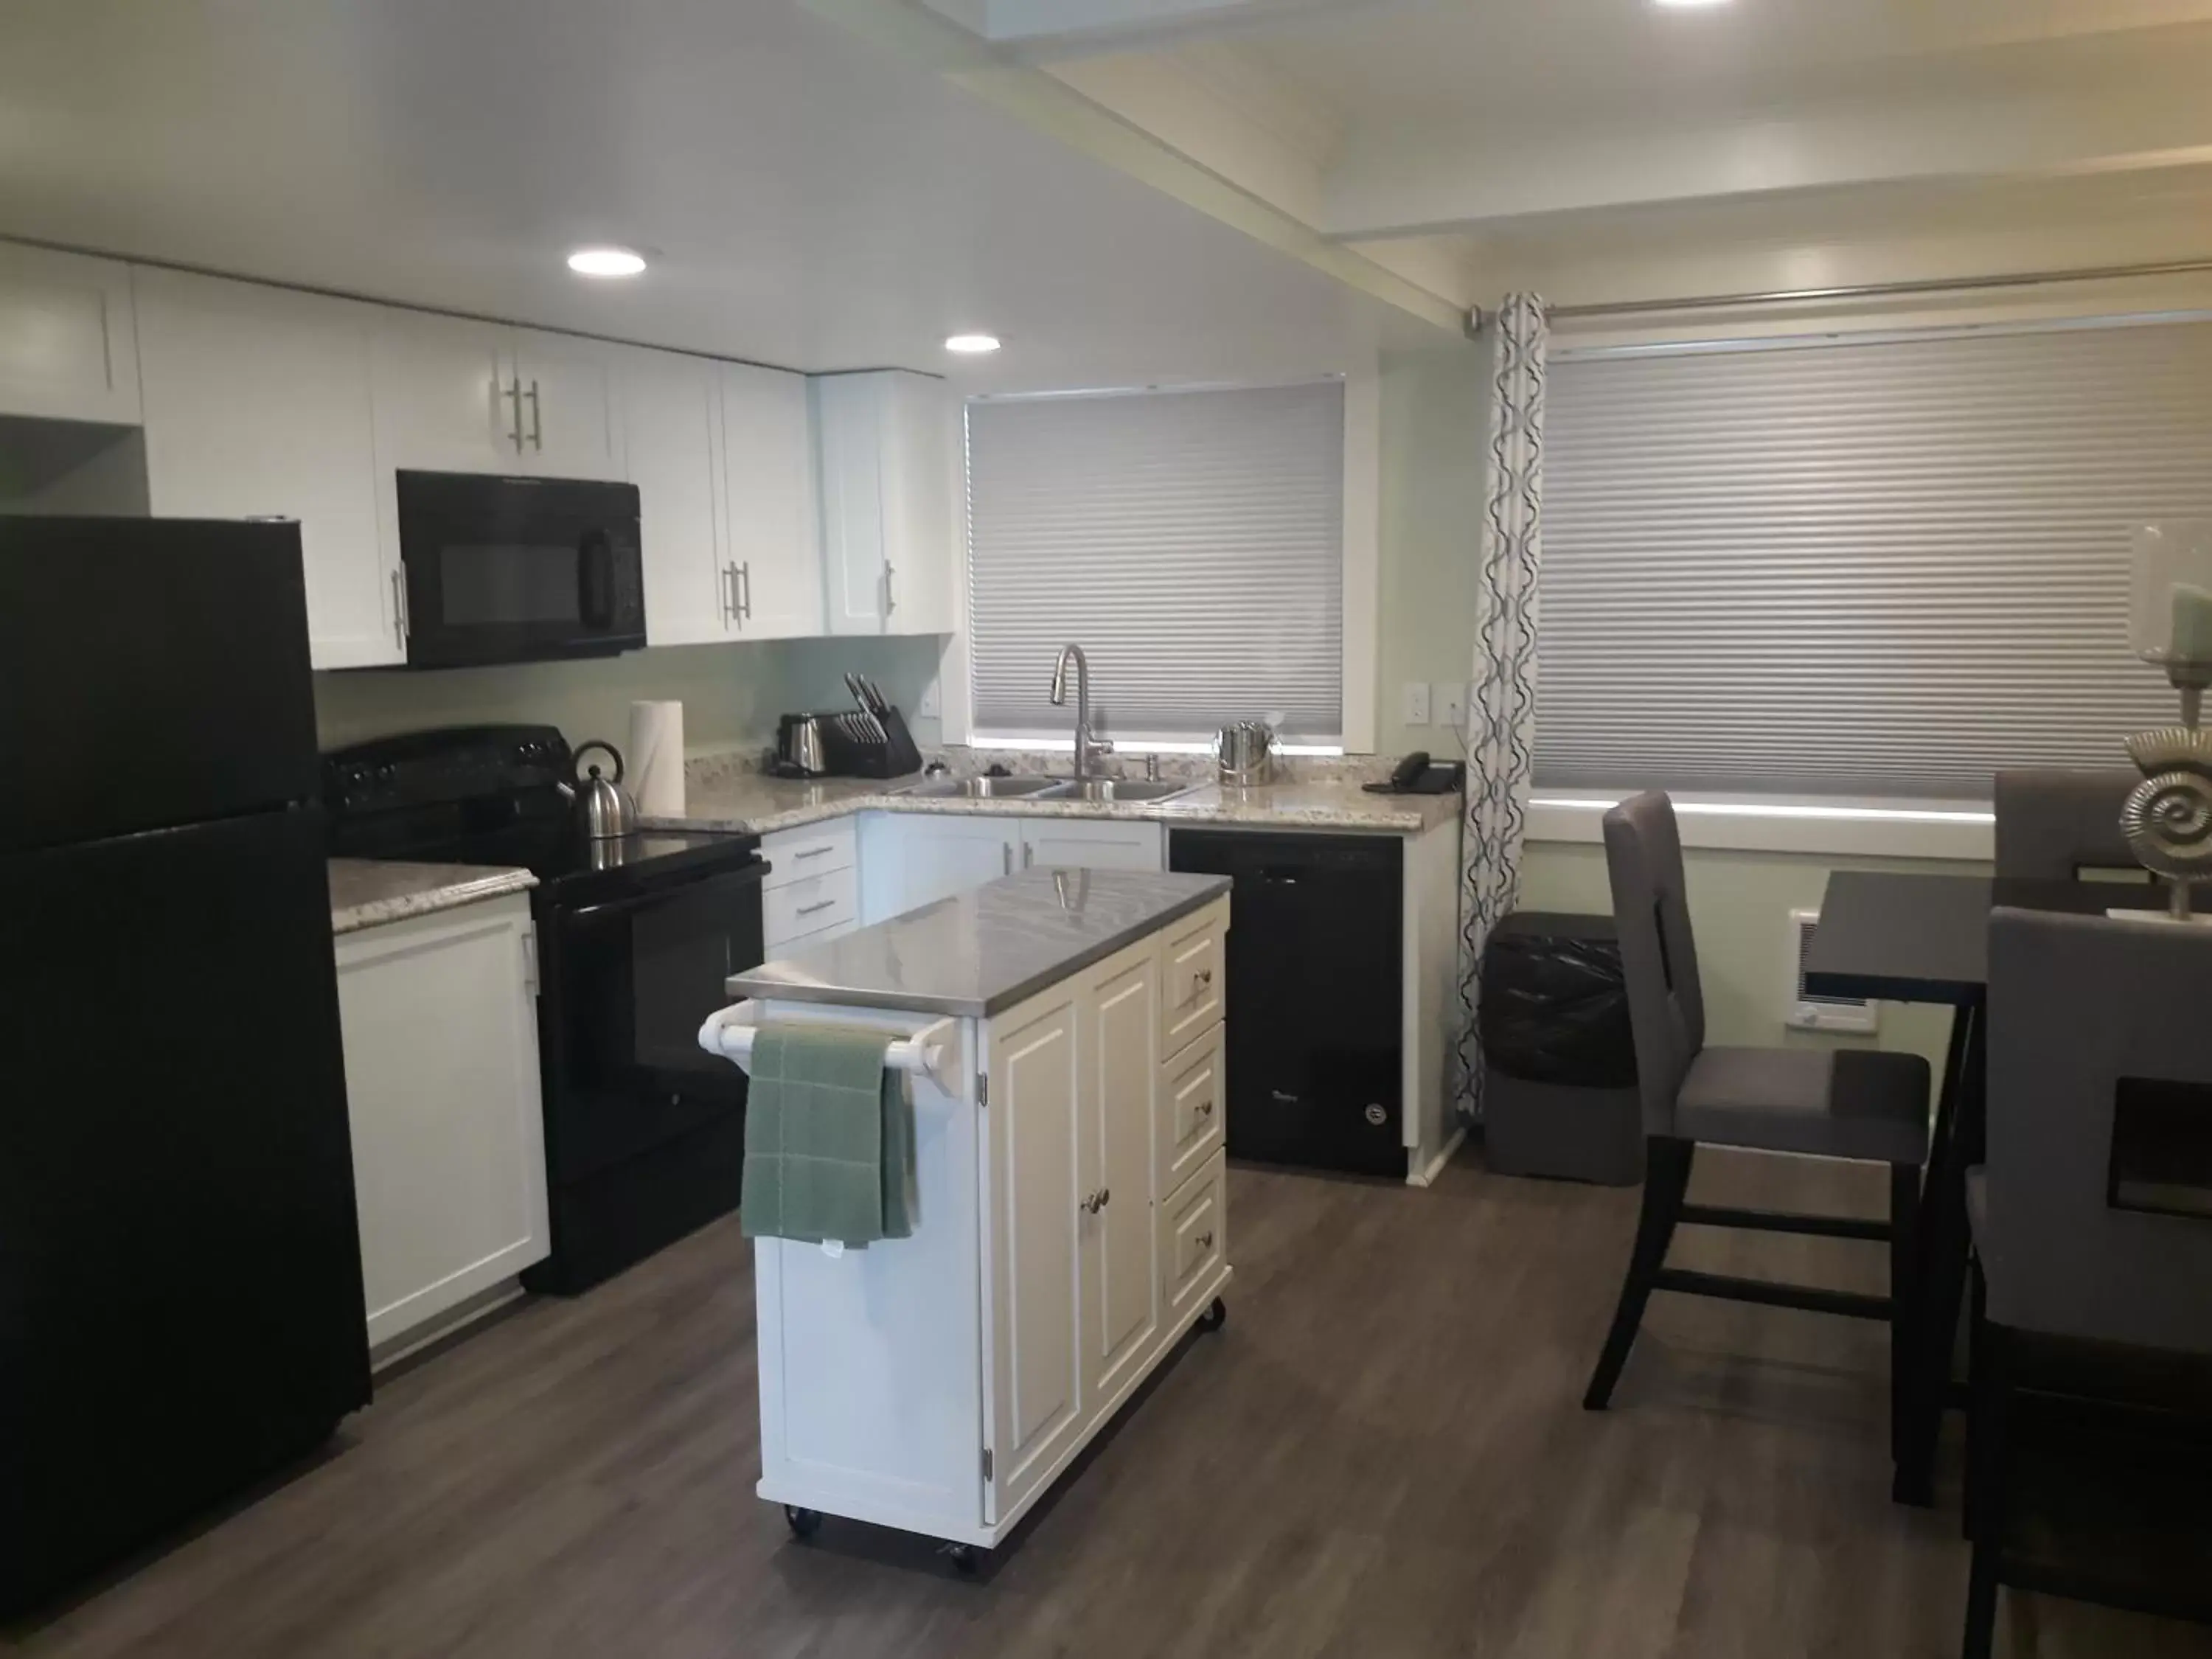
{"x": 2053, "y": 823}
{"x": 2092, "y": 1225}
{"x": 1855, "y": 1104}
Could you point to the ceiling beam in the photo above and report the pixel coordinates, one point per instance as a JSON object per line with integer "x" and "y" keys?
{"x": 1388, "y": 183}
{"x": 1056, "y": 110}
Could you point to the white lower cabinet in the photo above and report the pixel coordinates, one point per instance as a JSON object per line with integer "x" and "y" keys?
{"x": 1071, "y": 1229}
{"x": 909, "y": 860}
{"x": 440, "y": 1020}
{"x": 1093, "y": 844}
{"x": 912, "y": 859}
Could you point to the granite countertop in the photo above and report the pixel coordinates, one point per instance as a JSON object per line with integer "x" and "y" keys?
{"x": 758, "y": 805}
{"x": 368, "y": 892}
{"x": 985, "y": 949}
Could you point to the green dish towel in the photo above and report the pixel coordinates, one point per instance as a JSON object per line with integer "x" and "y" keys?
{"x": 829, "y": 1138}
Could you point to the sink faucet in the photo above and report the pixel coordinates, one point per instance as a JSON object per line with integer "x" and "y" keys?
{"x": 1087, "y": 748}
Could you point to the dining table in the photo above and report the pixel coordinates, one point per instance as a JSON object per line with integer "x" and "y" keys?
{"x": 1901, "y": 936}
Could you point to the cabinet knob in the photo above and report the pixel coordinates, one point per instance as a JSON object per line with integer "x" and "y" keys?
{"x": 1205, "y": 1108}
{"x": 1203, "y": 976}
{"x": 1203, "y": 1241}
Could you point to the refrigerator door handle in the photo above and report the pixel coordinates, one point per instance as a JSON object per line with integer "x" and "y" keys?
{"x": 399, "y": 610}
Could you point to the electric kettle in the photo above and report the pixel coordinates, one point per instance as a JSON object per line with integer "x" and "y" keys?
{"x": 603, "y": 808}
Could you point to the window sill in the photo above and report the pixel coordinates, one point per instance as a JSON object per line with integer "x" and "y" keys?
{"x": 1962, "y": 832}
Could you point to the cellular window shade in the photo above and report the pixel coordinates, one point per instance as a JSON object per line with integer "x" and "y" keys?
{"x": 1888, "y": 569}
{"x": 1191, "y": 542}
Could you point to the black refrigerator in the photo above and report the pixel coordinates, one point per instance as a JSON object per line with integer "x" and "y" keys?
{"x": 181, "y": 1294}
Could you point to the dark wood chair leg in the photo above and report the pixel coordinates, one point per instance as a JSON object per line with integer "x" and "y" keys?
{"x": 1666, "y": 1181}
{"x": 1989, "y": 1449}
{"x": 1904, "y": 1276}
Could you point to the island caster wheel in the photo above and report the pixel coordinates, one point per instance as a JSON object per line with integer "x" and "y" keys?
{"x": 804, "y": 1523}
{"x": 967, "y": 1560}
{"x": 1215, "y": 1316}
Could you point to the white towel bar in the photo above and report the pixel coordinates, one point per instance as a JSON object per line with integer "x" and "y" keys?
{"x": 933, "y": 1052}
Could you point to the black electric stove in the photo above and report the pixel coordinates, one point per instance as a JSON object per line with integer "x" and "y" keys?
{"x": 644, "y": 1131}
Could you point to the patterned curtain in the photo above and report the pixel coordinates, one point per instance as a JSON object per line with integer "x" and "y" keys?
{"x": 1501, "y": 713}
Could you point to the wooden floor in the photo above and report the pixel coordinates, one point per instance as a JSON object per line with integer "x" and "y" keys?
{"x": 1383, "y": 1454}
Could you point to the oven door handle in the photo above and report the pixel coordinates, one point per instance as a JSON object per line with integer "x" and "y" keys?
{"x": 595, "y": 913}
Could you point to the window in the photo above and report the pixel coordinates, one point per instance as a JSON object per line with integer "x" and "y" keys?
{"x": 1191, "y": 542}
{"x": 1876, "y": 568}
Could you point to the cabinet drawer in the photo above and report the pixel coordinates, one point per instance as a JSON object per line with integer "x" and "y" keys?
{"x": 809, "y": 905}
{"x": 1191, "y": 979}
{"x": 1194, "y": 1237}
{"x": 1193, "y": 1101}
{"x": 796, "y": 855}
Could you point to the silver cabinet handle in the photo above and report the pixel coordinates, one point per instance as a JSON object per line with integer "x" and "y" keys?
{"x": 1008, "y": 849}
{"x": 745, "y": 570}
{"x": 724, "y": 589}
{"x": 809, "y": 909}
{"x": 1203, "y": 976}
{"x": 1028, "y": 855}
{"x": 890, "y": 597}
{"x": 537, "y": 421}
{"x": 399, "y": 610}
{"x": 513, "y": 395}
{"x": 814, "y": 852}
{"x": 1203, "y": 1241}
{"x": 1204, "y": 1107}
{"x": 735, "y": 615}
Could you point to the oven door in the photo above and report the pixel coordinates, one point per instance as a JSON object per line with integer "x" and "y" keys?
{"x": 627, "y": 985}
{"x": 519, "y": 569}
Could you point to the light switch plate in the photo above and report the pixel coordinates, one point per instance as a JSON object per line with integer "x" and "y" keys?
{"x": 932, "y": 701}
{"x": 1416, "y": 711}
{"x": 1450, "y": 702}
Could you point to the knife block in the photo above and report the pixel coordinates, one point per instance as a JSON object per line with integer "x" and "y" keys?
{"x": 854, "y": 749}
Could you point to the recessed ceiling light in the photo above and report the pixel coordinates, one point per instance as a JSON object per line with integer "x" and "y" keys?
{"x": 972, "y": 344}
{"x": 606, "y": 262}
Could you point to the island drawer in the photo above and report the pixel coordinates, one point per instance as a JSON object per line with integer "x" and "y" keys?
{"x": 796, "y": 855}
{"x": 809, "y": 905}
{"x": 1194, "y": 969}
{"x": 1194, "y": 1237}
{"x": 1193, "y": 1101}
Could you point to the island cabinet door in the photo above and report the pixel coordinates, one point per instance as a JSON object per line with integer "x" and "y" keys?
{"x": 1117, "y": 1237}
{"x": 1036, "y": 1372}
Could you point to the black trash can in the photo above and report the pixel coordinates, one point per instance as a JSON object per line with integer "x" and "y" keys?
{"x": 1559, "y": 1090}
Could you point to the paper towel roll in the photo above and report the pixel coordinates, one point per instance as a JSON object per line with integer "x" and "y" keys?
{"x": 656, "y": 758}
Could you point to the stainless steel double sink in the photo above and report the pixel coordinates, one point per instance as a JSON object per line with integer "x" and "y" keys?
{"x": 1044, "y": 788}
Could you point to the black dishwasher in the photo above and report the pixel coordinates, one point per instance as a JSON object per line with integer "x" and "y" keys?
{"x": 1316, "y": 982}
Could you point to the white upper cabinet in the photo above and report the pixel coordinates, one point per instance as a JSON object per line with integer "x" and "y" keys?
{"x": 257, "y": 405}
{"x": 445, "y": 399}
{"x": 890, "y": 477}
{"x": 671, "y": 416}
{"x": 69, "y": 349}
{"x": 455, "y": 396}
{"x": 722, "y": 459}
{"x": 566, "y": 389}
{"x": 767, "y": 497}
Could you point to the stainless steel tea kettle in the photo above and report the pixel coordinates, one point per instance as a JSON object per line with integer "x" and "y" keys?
{"x": 603, "y": 808}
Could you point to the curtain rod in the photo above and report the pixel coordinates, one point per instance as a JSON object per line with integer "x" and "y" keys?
{"x": 1864, "y": 290}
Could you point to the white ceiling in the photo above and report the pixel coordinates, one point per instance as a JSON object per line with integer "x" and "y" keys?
{"x": 1610, "y": 150}
{"x": 811, "y": 199}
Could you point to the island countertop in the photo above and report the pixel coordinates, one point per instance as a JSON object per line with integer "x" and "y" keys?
{"x": 981, "y": 951}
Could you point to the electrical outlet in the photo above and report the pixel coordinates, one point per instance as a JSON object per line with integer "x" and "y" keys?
{"x": 932, "y": 701}
{"x": 1416, "y": 712}
{"x": 1450, "y": 702}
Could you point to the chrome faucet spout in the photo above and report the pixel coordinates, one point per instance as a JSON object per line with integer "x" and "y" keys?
{"x": 1087, "y": 748}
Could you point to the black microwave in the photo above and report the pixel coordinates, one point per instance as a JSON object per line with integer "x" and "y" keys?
{"x": 518, "y": 569}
